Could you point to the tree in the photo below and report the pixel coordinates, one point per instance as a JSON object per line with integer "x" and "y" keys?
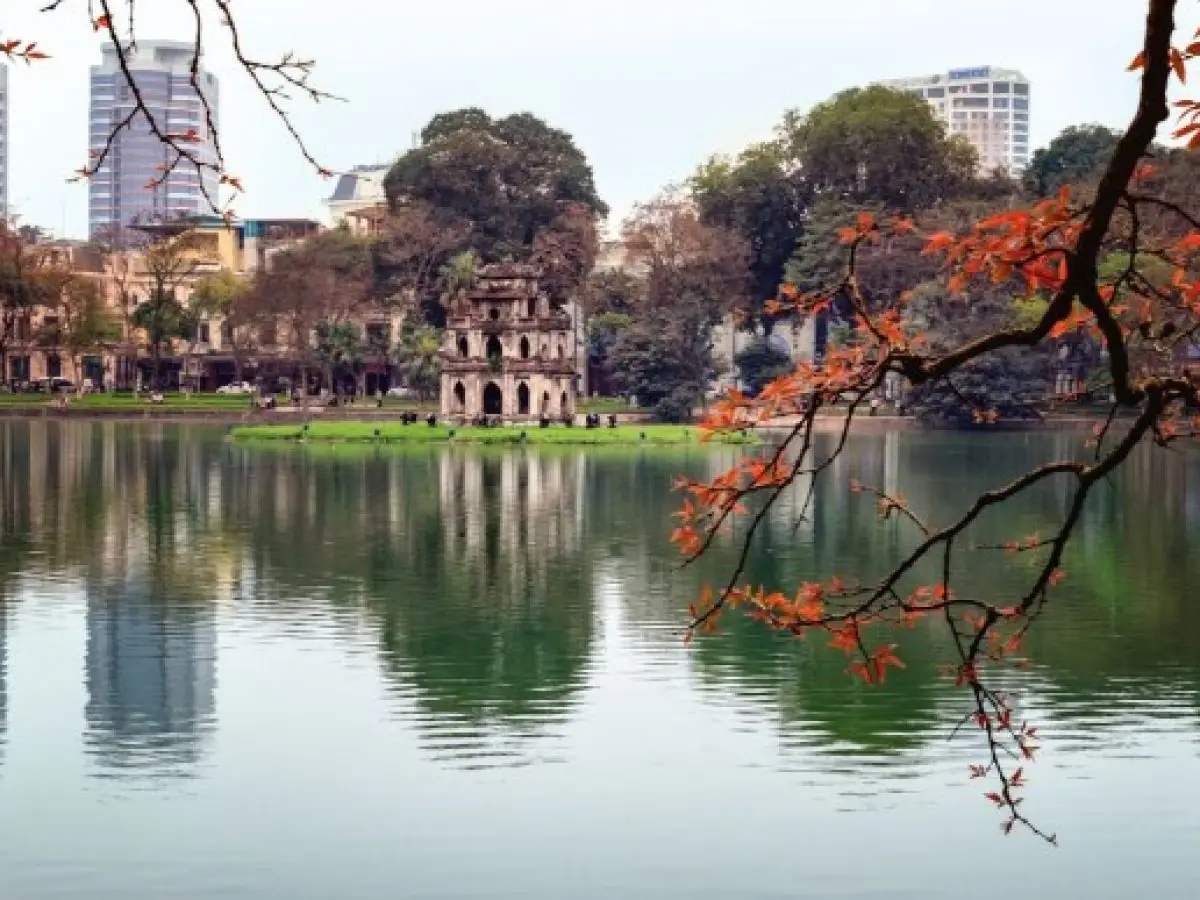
{"x": 230, "y": 297}
{"x": 409, "y": 255}
{"x": 1053, "y": 249}
{"x": 694, "y": 275}
{"x": 762, "y": 197}
{"x": 418, "y": 355}
{"x": 513, "y": 180}
{"x": 339, "y": 350}
{"x": 322, "y": 283}
{"x": 1078, "y": 153}
{"x": 84, "y": 326}
{"x": 23, "y": 288}
{"x": 168, "y": 264}
{"x": 878, "y": 147}
{"x": 1012, "y": 383}
{"x": 665, "y": 359}
{"x": 760, "y": 363}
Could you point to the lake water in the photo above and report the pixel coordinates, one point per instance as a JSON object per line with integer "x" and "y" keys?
{"x": 446, "y": 673}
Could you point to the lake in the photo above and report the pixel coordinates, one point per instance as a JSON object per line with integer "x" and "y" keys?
{"x": 278, "y": 672}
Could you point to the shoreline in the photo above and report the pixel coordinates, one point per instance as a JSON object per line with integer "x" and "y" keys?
{"x": 826, "y": 423}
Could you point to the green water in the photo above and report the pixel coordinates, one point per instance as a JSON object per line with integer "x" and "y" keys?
{"x": 240, "y": 672}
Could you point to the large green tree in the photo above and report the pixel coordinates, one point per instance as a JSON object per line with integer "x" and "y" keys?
{"x": 763, "y": 197}
{"x": 1076, "y": 154}
{"x": 517, "y": 183}
{"x": 879, "y": 147}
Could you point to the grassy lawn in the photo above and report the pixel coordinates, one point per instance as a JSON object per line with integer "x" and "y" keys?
{"x": 177, "y": 402}
{"x": 606, "y": 405}
{"x": 127, "y": 401}
{"x": 393, "y": 432}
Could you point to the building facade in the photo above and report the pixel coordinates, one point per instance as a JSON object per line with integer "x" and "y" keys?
{"x": 508, "y": 351}
{"x": 3, "y": 142}
{"x": 988, "y": 106}
{"x": 358, "y": 197}
{"x": 121, "y": 190}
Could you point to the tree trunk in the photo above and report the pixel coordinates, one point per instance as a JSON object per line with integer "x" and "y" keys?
{"x": 156, "y": 367}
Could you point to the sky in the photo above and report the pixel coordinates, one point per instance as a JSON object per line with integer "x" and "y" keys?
{"x": 648, "y": 88}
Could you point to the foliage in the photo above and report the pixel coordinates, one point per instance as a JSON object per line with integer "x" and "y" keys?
{"x": 694, "y": 275}
{"x": 665, "y": 360}
{"x": 520, "y": 185}
{"x": 761, "y": 198}
{"x": 419, "y": 359}
{"x": 604, "y": 330}
{"x": 1052, "y": 251}
{"x": 410, "y": 255}
{"x": 759, "y": 363}
{"x": 1076, "y": 154}
{"x": 339, "y": 349}
{"x": 322, "y": 283}
{"x": 878, "y": 147}
{"x": 85, "y": 325}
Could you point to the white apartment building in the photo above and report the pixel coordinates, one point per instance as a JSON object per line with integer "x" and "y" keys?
{"x": 3, "y": 142}
{"x": 120, "y": 191}
{"x": 359, "y": 190}
{"x": 989, "y": 106}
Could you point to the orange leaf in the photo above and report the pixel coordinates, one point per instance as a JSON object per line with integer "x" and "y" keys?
{"x": 101, "y": 22}
{"x": 1178, "y": 65}
{"x": 1139, "y": 62}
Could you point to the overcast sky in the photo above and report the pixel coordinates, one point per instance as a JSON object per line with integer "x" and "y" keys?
{"x": 649, "y": 88}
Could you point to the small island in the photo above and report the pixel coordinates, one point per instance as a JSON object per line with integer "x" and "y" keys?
{"x": 422, "y": 433}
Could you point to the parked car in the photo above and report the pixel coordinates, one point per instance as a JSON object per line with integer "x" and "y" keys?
{"x": 399, "y": 392}
{"x": 237, "y": 387}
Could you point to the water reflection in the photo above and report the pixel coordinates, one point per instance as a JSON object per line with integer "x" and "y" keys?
{"x": 495, "y": 590}
{"x": 151, "y": 680}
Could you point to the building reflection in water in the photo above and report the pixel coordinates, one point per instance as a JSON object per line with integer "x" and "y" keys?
{"x": 151, "y": 679}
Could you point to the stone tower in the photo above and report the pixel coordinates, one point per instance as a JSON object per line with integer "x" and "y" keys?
{"x": 507, "y": 350}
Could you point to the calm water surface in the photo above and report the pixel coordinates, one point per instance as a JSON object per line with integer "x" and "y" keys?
{"x": 448, "y": 673}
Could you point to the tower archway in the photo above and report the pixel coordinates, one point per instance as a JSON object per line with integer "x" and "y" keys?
{"x": 494, "y": 348}
{"x": 493, "y": 400}
{"x": 523, "y": 399}
{"x": 464, "y": 349}
{"x": 460, "y": 398}
{"x": 524, "y": 347}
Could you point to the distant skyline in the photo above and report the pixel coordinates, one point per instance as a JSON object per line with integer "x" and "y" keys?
{"x": 649, "y": 89}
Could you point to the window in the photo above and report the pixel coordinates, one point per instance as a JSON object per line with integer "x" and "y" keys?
{"x": 1019, "y": 103}
{"x": 378, "y": 334}
{"x": 1000, "y": 103}
{"x": 971, "y": 103}
{"x": 981, "y": 88}
{"x": 935, "y": 92}
{"x": 1021, "y": 89}
{"x": 54, "y": 366}
{"x": 1001, "y": 87}
{"x": 958, "y": 88}
{"x": 205, "y": 335}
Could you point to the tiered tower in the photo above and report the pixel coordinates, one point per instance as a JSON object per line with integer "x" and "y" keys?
{"x": 508, "y": 351}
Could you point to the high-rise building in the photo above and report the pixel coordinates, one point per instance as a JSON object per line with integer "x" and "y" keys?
{"x": 986, "y": 105}
{"x": 3, "y": 142}
{"x": 121, "y": 190}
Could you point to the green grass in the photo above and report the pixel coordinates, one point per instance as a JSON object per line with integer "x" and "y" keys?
{"x": 607, "y": 405}
{"x": 394, "y": 432}
{"x": 127, "y": 401}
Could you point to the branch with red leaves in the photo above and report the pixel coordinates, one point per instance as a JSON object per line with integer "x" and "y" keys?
{"x": 1052, "y": 250}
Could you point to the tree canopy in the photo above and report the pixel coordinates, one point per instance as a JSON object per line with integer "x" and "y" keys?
{"x": 876, "y": 146}
{"x": 1076, "y": 154}
{"x": 516, "y": 182}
